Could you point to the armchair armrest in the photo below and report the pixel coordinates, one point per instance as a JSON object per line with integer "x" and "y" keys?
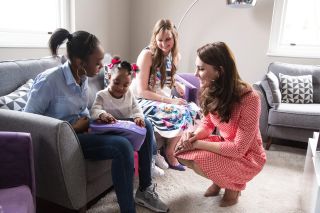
{"x": 191, "y": 84}
{"x": 59, "y": 161}
{"x": 263, "y": 122}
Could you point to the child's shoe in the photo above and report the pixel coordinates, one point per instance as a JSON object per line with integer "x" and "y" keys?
{"x": 155, "y": 171}
{"x": 161, "y": 162}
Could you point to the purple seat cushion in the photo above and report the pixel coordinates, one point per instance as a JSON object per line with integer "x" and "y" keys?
{"x": 17, "y": 199}
{"x": 128, "y": 129}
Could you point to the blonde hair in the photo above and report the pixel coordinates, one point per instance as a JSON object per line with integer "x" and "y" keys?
{"x": 158, "y": 57}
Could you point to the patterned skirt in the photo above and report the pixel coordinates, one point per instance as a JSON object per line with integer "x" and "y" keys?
{"x": 170, "y": 120}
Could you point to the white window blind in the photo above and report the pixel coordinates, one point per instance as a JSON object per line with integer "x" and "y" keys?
{"x": 295, "y": 29}
{"x": 28, "y": 23}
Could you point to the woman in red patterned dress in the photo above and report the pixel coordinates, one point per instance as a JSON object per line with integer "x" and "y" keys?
{"x": 236, "y": 155}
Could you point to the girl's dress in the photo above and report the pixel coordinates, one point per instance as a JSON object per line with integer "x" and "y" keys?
{"x": 169, "y": 120}
{"x": 242, "y": 155}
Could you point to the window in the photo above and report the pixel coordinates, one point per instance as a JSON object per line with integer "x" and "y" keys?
{"x": 30, "y": 23}
{"x": 295, "y": 29}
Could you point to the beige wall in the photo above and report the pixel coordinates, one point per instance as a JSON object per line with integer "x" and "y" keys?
{"x": 124, "y": 28}
{"x": 246, "y": 31}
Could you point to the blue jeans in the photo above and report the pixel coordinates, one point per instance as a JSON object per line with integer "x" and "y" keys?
{"x": 120, "y": 150}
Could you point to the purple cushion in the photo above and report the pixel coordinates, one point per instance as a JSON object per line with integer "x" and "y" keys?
{"x": 191, "y": 84}
{"x": 17, "y": 199}
{"x": 128, "y": 129}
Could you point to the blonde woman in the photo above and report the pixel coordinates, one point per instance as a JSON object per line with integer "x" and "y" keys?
{"x": 158, "y": 65}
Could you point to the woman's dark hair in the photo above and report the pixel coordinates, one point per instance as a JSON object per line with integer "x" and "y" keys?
{"x": 222, "y": 94}
{"x": 80, "y": 44}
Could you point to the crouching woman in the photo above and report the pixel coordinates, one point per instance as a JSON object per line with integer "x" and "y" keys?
{"x": 236, "y": 155}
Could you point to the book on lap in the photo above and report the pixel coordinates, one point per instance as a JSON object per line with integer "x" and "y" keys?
{"x": 128, "y": 129}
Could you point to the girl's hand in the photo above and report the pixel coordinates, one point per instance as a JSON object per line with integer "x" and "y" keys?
{"x": 178, "y": 101}
{"x": 81, "y": 125}
{"x": 139, "y": 121}
{"x": 108, "y": 118}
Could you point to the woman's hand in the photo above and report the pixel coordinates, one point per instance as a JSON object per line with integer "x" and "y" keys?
{"x": 108, "y": 118}
{"x": 139, "y": 121}
{"x": 186, "y": 143}
{"x": 81, "y": 125}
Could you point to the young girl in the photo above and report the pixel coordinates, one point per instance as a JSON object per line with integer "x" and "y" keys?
{"x": 158, "y": 63}
{"x": 118, "y": 102}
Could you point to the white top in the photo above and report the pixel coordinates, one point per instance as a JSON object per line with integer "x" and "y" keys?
{"x": 122, "y": 108}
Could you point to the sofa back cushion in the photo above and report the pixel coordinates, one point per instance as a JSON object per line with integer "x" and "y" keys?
{"x": 16, "y": 73}
{"x": 298, "y": 70}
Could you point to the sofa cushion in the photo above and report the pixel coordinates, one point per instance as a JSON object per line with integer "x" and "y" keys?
{"x": 15, "y": 73}
{"x": 296, "y": 70}
{"x": 304, "y": 116}
{"x": 296, "y": 89}
{"x": 274, "y": 86}
{"x": 17, "y": 99}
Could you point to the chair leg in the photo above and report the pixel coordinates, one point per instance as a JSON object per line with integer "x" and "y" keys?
{"x": 269, "y": 141}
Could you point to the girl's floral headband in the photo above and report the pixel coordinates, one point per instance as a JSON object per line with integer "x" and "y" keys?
{"x": 116, "y": 63}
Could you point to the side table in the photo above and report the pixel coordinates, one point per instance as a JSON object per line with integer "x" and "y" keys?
{"x": 310, "y": 199}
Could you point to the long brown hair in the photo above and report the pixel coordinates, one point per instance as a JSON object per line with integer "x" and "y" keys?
{"x": 158, "y": 57}
{"x": 222, "y": 94}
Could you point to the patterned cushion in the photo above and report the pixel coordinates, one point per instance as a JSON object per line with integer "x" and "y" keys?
{"x": 296, "y": 89}
{"x": 17, "y": 99}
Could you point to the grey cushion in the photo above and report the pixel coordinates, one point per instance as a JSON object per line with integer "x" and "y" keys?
{"x": 273, "y": 82}
{"x": 17, "y": 99}
{"x": 296, "y": 89}
{"x": 14, "y": 73}
{"x": 304, "y": 116}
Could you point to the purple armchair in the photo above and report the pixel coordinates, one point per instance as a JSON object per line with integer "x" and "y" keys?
{"x": 191, "y": 84}
{"x": 17, "y": 182}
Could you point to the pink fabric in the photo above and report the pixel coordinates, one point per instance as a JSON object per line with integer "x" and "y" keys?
{"x": 242, "y": 155}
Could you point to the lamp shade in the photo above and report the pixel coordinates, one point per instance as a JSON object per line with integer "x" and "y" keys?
{"x": 241, "y": 3}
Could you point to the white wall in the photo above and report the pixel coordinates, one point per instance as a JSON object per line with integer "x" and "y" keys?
{"x": 246, "y": 31}
{"x": 124, "y": 28}
{"x": 107, "y": 19}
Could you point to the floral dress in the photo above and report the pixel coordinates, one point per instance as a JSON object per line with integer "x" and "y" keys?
{"x": 169, "y": 120}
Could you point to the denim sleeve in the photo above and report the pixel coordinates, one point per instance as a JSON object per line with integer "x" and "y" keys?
{"x": 39, "y": 97}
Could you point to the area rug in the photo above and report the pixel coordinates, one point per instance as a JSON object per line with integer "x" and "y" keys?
{"x": 276, "y": 189}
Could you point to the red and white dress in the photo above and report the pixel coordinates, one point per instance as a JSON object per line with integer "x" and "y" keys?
{"x": 242, "y": 155}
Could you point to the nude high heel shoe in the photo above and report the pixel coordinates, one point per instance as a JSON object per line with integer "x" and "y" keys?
{"x": 229, "y": 198}
{"x": 212, "y": 191}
